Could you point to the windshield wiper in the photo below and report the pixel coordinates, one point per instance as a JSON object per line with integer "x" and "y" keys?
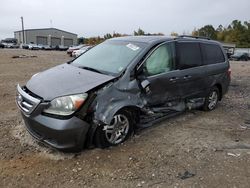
{"x": 91, "y": 69}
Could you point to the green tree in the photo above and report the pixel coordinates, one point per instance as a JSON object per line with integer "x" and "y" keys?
{"x": 174, "y": 34}
{"x": 80, "y": 40}
{"x": 107, "y": 36}
{"x": 117, "y": 34}
{"x": 139, "y": 32}
{"x": 207, "y": 31}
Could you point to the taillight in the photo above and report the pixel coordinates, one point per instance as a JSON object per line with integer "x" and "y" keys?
{"x": 229, "y": 72}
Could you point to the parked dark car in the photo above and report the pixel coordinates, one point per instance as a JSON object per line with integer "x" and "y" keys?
{"x": 24, "y": 46}
{"x": 240, "y": 56}
{"x": 62, "y": 48}
{"x": 47, "y": 47}
{"x": 120, "y": 85}
{"x": 1, "y": 45}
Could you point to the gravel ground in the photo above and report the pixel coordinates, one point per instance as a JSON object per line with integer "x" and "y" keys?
{"x": 195, "y": 149}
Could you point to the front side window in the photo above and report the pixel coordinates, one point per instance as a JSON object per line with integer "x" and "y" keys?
{"x": 189, "y": 55}
{"x": 161, "y": 60}
{"x": 110, "y": 57}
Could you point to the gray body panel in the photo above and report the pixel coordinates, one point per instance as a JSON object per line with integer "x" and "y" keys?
{"x": 65, "y": 80}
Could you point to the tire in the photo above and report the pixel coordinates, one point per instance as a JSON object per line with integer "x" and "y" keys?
{"x": 117, "y": 132}
{"x": 212, "y": 99}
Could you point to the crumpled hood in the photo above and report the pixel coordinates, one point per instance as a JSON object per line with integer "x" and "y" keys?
{"x": 64, "y": 80}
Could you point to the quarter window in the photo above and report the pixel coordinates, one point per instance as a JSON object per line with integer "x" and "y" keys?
{"x": 161, "y": 60}
{"x": 189, "y": 55}
{"x": 212, "y": 54}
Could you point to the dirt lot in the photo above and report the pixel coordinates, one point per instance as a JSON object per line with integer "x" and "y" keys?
{"x": 213, "y": 147}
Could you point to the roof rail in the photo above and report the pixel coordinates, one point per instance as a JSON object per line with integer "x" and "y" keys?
{"x": 195, "y": 37}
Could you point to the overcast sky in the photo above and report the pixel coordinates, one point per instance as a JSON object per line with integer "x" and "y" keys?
{"x": 97, "y": 17}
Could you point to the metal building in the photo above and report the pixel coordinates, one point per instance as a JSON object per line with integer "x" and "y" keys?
{"x": 46, "y": 36}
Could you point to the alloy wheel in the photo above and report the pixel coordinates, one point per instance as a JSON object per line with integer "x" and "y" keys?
{"x": 117, "y": 130}
{"x": 212, "y": 100}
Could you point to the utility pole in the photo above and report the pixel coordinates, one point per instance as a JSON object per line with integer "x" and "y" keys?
{"x": 51, "y": 25}
{"x": 23, "y": 41}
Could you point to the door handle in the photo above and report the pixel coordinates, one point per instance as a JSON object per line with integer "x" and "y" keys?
{"x": 174, "y": 79}
{"x": 187, "y": 77}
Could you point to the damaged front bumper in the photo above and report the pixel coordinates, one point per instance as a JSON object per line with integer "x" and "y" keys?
{"x": 63, "y": 134}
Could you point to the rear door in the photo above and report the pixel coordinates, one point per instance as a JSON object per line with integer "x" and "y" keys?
{"x": 192, "y": 74}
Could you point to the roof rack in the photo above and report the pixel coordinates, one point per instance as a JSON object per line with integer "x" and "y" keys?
{"x": 195, "y": 37}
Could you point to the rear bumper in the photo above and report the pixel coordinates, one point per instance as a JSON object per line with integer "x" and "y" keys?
{"x": 62, "y": 134}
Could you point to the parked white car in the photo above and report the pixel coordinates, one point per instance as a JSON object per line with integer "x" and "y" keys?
{"x": 82, "y": 50}
{"x": 72, "y": 48}
{"x": 34, "y": 47}
{"x": 10, "y": 45}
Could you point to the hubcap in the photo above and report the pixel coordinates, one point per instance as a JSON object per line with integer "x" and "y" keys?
{"x": 212, "y": 100}
{"x": 118, "y": 129}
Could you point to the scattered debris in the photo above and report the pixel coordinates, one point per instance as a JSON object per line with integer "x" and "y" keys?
{"x": 24, "y": 56}
{"x": 248, "y": 106}
{"x": 233, "y": 154}
{"x": 237, "y": 140}
{"x": 140, "y": 184}
{"x": 246, "y": 125}
{"x": 247, "y": 122}
{"x": 186, "y": 175}
{"x": 234, "y": 85}
{"x": 217, "y": 149}
{"x": 236, "y": 146}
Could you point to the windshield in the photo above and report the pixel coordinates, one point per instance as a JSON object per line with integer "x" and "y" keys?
{"x": 110, "y": 57}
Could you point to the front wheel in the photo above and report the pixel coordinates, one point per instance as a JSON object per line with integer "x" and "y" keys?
{"x": 211, "y": 100}
{"x": 116, "y": 132}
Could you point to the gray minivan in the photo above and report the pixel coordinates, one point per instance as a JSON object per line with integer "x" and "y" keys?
{"x": 120, "y": 85}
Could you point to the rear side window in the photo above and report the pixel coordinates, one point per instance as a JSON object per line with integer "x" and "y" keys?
{"x": 189, "y": 55}
{"x": 212, "y": 54}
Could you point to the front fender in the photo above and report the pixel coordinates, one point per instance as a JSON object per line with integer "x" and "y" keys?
{"x": 115, "y": 97}
{"x": 107, "y": 116}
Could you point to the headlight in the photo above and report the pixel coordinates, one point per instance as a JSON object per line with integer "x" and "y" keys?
{"x": 66, "y": 105}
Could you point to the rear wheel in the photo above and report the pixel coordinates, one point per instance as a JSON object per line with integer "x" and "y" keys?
{"x": 212, "y": 99}
{"x": 116, "y": 132}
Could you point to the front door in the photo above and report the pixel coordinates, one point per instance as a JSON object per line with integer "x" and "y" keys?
{"x": 159, "y": 71}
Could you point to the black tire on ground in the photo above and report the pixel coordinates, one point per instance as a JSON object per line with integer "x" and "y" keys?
{"x": 106, "y": 136}
{"x": 212, "y": 99}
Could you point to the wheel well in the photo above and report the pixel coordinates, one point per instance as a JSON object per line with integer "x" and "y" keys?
{"x": 135, "y": 113}
{"x": 220, "y": 90}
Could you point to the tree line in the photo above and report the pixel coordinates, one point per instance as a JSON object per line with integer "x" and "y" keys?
{"x": 99, "y": 39}
{"x": 236, "y": 32}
